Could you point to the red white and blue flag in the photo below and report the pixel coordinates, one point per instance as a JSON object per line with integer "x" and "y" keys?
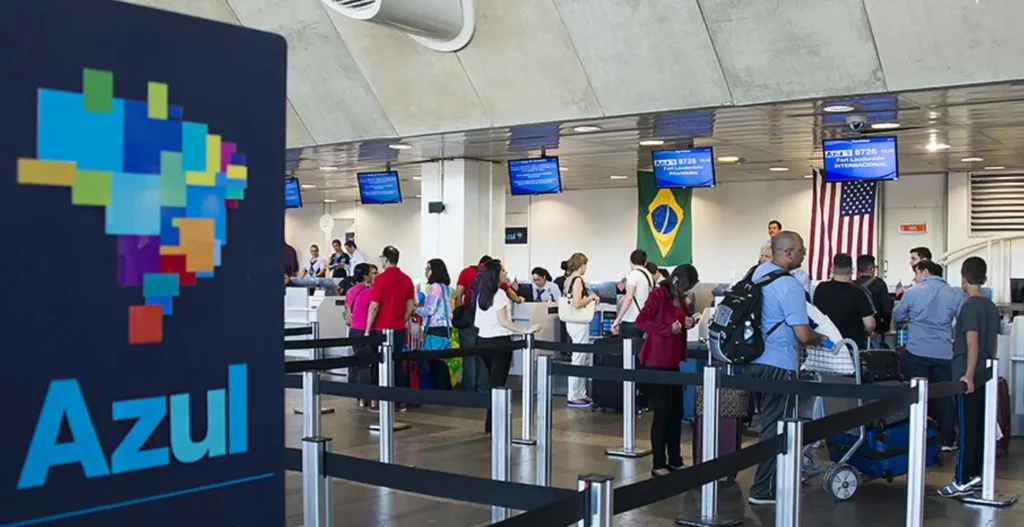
{"x": 842, "y": 221}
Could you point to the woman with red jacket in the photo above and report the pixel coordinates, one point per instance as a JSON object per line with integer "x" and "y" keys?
{"x": 665, "y": 319}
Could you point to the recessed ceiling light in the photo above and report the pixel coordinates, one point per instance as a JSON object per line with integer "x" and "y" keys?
{"x": 328, "y": 169}
{"x": 586, "y": 128}
{"x": 417, "y": 178}
{"x": 417, "y": 195}
{"x": 399, "y": 146}
{"x": 307, "y": 185}
{"x": 935, "y": 147}
{"x": 729, "y": 159}
{"x": 995, "y": 168}
{"x": 560, "y": 167}
{"x": 618, "y": 177}
{"x": 884, "y": 126}
{"x": 652, "y": 142}
{"x": 808, "y": 176}
{"x": 971, "y": 159}
{"x": 933, "y": 131}
{"x": 330, "y": 201}
{"x": 779, "y": 169}
{"x": 933, "y": 115}
{"x": 838, "y": 108}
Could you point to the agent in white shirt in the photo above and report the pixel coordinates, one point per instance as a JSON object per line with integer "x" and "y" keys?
{"x": 358, "y": 256}
{"x": 316, "y": 267}
{"x": 638, "y": 285}
{"x": 544, "y": 288}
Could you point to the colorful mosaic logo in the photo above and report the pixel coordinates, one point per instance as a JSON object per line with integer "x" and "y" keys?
{"x": 166, "y": 185}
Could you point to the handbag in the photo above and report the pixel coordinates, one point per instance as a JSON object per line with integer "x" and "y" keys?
{"x": 439, "y": 370}
{"x": 571, "y": 314}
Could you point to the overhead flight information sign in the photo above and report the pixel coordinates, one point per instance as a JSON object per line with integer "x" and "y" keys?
{"x": 377, "y": 188}
{"x": 867, "y": 159}
{"x": 534, "y": 176}
{"x": 689, "y": 167}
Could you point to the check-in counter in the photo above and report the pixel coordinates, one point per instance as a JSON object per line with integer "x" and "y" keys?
{"x": 327, "y": 312}
{"x": 527, "y": 314}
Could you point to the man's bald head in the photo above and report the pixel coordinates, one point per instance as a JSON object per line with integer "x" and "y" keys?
{"x": 788, "y": 250}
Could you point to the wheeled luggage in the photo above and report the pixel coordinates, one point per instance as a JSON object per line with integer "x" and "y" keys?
{"x": 1003, "y": 412}
{"x": 607, "y": 395}
{"x": 885, "y": 452}
{"x": 732, "y": 408}
{"x": 879, "y": 366}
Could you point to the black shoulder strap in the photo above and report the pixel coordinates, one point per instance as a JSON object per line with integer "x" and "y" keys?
{"x": 771, "y": 277}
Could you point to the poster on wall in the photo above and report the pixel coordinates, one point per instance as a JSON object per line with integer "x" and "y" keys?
{"x": 146, "y": 377}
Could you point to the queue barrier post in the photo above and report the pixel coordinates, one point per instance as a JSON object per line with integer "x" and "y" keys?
{"x": 544, "y": 446}
{"x": 628, "y": 449}
{"x": 787, "y": 474}
{"x": 386, "y": 418}
{"x": 307, "y": 411}
{"x": 988, "y": 496}
{"x": 529, "y": 353}
{"x": 599, "y": 499}
{"x": 918, "y": 453}
{"x": 316, "y": 485}
{"x": 501, "y": 443}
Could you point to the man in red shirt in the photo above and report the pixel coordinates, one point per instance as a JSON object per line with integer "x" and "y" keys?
{"x": 392, "y": 302}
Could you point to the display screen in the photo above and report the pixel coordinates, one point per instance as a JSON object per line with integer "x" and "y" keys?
{"x": 689, "y": 167}
{"x": 534, "y": 176}
{"x": 292, "y": 194}
{"x": 377, "y": 188}
{"x": 867, "y": 159}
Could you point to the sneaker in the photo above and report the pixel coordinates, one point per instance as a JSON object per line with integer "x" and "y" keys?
{"x": 757, "y": 500}
{"x": 956, "y": 490}
{"x": 579, "y": 404}
{"x": 402, "y": 407}
{"x": 949, "y": 448}
{"x": 374, "y": 407}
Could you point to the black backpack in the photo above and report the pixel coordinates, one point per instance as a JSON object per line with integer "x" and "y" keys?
{"x": 735, "y": 337}
{"x": 465, "y": 315}
{"x": 345, "y": 284}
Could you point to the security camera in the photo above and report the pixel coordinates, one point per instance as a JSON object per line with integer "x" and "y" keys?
{"x": 856, "y": 122}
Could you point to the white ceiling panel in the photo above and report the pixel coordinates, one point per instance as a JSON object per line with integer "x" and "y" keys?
{"x": 645, "y": 55}
{"x": 924, "y": 43}
{"x": 773, "y": 50}
{"x": 524, "y": 66}
{"x": 325, "y": 85}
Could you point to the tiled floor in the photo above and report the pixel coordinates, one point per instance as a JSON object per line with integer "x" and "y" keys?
{"x": 451, "y": 440}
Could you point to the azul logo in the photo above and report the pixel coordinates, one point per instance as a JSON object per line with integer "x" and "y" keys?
{"x": 226, "y": 431}
{"x": 165, "y": 185}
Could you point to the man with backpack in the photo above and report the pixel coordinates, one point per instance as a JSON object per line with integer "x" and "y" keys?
{"x": 878, "y": 292}
{"x": 638, "y": 286}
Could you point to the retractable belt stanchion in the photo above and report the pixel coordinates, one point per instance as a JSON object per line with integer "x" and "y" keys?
{"x": 315, "y": 484}
{"x": 386, "y": 421}
{"x": 317, "y": 353}
{"x": 787, "y": 475}
{"x": 501, "y": 443}
{"x": 628, "y": 409}
{"x": 529, "y": 360}
{"x": 709, "y": 451}
{"x": 988, "y": 496}
{"x": 544, "y": 446}
{"x": 918, "y": 453}
{"x": 600, "y": 506}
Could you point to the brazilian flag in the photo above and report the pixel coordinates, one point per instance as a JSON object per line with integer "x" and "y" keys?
{"x": 663, "y": 226}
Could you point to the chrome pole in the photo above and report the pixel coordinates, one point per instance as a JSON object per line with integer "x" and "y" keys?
{"x": 787, "y": 474}
{"x": 315, "y": 492}
{"x": 544, "y": 445}
{"x": 501, "y": 443}
{"x": 529, "y": 354}
{"x": 629, "y": 449}
{"x": 599, "y": 499}
{"x": 386, "y": 378}
{"x": 988, "y": 495}
{"x": 918, "y": 453}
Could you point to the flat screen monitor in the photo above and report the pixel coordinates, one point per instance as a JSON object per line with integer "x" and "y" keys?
{"x": 865, "y": 159}
{"x": 534, "y": 176}
{"x": 378, "y": 188}
{"x": 292, "y": 194}
{"x": 684, "y": 168}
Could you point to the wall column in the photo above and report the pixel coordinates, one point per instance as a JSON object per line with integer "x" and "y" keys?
{"x": 473, "y": 223}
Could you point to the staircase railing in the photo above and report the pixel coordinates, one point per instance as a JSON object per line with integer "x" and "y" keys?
{"x": 998, "y": 252}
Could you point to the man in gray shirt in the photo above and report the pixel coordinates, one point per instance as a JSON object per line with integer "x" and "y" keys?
{"x": 977, "y": 329}
{"x": 930, "y": 306}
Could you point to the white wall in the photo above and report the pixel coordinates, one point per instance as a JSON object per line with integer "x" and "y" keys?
{"x": 912, "y": 199}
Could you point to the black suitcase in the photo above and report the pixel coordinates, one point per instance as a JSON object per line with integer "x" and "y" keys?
{"x": 880, "y": 365}
{"x": 607, "y": 395}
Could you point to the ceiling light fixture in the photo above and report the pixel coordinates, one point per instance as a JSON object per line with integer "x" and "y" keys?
{"x": 779, "y": 169}
{"x": 418, "y": 196}
{"x": 838, "y": 108}
{"x": 328, "y": 169}
{"x": 729, "y": 159}
{"x": 933, "y": 115}
{"x": 652, "y": 142}
{"x": 884, "y": 126}
{"x": 307, "y": 185}
{"x": 935, "y": 147}
{"x": 560, "y": 167}
{"x": 618, "y": 177}
{"x": 586, "y": 128}
{"x": 330, "y": 201}
{"x": 417, "y": 178}
{"x": 808, "y": 176}
{"x": 399, "y": 146}
{"x": 971, "y": 159}
{"x": 995, "y": 168}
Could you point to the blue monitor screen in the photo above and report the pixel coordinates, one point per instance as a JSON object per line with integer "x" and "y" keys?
{"x": 379, "y": 188}
{"x": 690, "y": 167}
{"x": 292, "y": 196}
{"x": 534, "y": 176}
{"x": 868, "y": 159}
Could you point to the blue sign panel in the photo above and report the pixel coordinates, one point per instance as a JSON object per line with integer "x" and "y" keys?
{"x": 292, "y": 194}
{"x": 515, "y": 236}
{"x": 868, "y": 159}
{"x": 377, "y": 188}
{"x": 146, "y": 387}
{"x": 690, "y": 167}
{"x": 534, "y": 176}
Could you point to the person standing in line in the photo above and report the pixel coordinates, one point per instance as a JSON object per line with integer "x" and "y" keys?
{"x": 774, "y": 227}
{"x": 930, "y": 307}
{"x": 579, "y": 333}
{"x": 436, "y": 309}
{"x": 917, "y": 254}
{"x": 317, "y": 265}
{"x": 878, "y": 291}
{"x": 560, "y": 281}
{"x": 784, "y": 326}
{"x": 356, "y": 254}
{"x": 392, "y": 303}
{"x": 340, "y": 260}
{"x": 544, "y": 288}
{"x": 291, "y": 259}
{"x": 357, "y": 307}
{"x": 975, "y": 342}
{"x": 639, "y": 285}
{"x": 493, "y": 321}
{"x": 845, "y": 303}
{"x": 665, "y": 318}
{"x": 474, "y": 371}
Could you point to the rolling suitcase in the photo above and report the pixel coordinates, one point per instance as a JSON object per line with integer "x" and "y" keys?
{"x": 885, "y": 452}
{"x": 880, "y": 365}
{"x": 1003, "y": 412}
{"x": 607, "y": 395}
{"x": 732, "y": 408}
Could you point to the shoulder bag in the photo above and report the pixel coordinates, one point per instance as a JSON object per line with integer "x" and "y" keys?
{"x": 571, "y": 314}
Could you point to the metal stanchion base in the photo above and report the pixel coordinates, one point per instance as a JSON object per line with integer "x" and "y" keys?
{"x": 528, "y": 442}
{"x": 635, "y": 453}
{"x": 998, "y": 501}
{"x": 323, "y": 411}
{"x": 396, "y": 427}
{"x": 708, "y": 522}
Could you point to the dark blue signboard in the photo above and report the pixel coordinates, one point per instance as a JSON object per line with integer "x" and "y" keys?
{"x": 377, "y": 188}
{"x": 144, "y": 387}
{"x": 292, "y": 194}
{"x": 868, "y": 159}
{"x": 534, "y": 176}
{"x": 515, "y": 236}
{"x": 690, "y": 167}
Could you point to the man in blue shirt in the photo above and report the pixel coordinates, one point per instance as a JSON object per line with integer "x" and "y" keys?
{"x": 931, "y": 306}
{"x": 785, "y": 325}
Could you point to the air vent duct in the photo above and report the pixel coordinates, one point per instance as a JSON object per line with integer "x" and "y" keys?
{"x": 441, "y": 25}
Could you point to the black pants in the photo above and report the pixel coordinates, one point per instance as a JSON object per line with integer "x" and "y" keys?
{"x": 773, "y": 407}
{"x": 498, "y": 365}
{"x": 401, "y": 374}
{"x": 937, "y": 370}
{"x": 363, "y": 374}
{"x": 972, "y": 434}
{"x": 666, "y": 401}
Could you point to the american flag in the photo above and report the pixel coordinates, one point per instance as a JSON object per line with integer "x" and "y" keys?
{"x": 842, "y": 221}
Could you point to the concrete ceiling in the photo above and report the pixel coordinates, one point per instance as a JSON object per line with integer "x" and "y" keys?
{"x": 535, "y": 61}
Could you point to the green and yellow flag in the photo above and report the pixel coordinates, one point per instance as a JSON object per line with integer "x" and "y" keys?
{"x": 664, "y": 227}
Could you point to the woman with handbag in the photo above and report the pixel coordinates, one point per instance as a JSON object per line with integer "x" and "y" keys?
{"x": 436, "y": 312}
{"x": 665, "y": 318}
{"x": 357, "y": 306}
{"x": 494, "y": 323}
{"x": 576, "y": 309}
